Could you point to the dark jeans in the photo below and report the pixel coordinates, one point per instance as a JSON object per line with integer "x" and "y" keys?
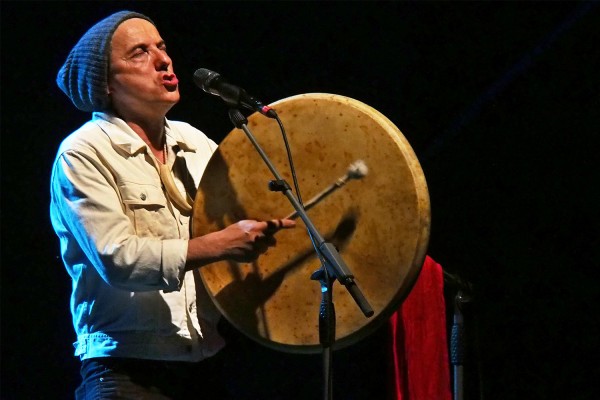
{"x": 122, "y": 378}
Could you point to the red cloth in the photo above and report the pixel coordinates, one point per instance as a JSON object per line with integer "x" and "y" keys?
{"x": 419, "y": 342}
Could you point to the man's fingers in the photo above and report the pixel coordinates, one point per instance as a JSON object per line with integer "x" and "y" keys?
{"x": 267, "y": 227}
{"x": 275, "y": 225}
{"x": 286, "y": 223}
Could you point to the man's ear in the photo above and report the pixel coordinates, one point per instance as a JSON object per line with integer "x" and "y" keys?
{"x": 108, "y": 81}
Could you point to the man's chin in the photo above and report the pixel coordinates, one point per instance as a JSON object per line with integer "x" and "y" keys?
{"x": 173, "y": 98}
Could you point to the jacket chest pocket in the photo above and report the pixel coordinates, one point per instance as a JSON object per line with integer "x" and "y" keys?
{"x": 146, "y": 207}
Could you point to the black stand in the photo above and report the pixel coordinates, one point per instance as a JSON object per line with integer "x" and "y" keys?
{"x": 332, "y": 265}
{"x": 457, "y": 339}
{"x": 457, "y": 345}
{"x": 326, "y": 327}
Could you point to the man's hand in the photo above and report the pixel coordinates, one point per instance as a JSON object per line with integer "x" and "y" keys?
{"x": 243, "y": 241}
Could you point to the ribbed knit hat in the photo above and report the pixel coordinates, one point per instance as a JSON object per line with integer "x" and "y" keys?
{"x": 84, "y": 75}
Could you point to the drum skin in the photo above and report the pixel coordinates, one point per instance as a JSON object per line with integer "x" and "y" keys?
{"x": 380, "y": 224}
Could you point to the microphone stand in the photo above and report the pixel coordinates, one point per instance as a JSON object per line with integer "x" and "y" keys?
{"x": 457, "y": 338}
{"x": 332, "y": 265}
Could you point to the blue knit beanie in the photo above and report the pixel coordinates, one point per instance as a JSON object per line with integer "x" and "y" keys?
{"x": 84, "y": 75}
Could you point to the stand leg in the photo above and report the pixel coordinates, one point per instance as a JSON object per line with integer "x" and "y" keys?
{"x": 327, "y": 374}
{"x": 457, "y": 343}
{"x": 326, "y": 329}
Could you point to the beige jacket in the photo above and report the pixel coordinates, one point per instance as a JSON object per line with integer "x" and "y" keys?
{"x": 124, "y": 244}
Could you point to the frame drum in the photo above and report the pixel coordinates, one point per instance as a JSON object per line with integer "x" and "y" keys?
{"x": 379, "y": 224}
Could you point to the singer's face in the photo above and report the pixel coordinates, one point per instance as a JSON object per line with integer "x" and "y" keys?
{"x": 141, "y": 80}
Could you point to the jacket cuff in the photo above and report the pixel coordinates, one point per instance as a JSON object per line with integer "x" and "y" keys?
{"x": 174, "y": 255}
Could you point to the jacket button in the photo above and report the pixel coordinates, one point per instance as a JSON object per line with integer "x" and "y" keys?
{"x": 143, "y": 196}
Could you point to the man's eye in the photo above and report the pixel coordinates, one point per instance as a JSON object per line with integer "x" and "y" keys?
{"x": 139, "y": 53}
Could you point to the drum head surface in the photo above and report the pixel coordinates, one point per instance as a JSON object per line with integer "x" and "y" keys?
{"x": 379, "y": 224}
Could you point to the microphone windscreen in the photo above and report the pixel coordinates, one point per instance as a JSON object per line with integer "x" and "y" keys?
{"x": 203, "y": 77}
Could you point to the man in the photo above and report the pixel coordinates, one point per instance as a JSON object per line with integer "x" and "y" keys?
{"x": 121, "y": 193}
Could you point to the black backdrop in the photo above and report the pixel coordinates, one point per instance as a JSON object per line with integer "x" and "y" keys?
{"x": 498, "y": 99}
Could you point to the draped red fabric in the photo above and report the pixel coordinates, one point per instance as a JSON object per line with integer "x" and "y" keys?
{"x": 419, "y": 343}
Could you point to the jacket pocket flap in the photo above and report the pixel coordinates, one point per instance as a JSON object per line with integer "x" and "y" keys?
{"x": 142, "y": 194}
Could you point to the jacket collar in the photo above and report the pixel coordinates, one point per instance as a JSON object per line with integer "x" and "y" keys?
{"x": 125, "y": 139}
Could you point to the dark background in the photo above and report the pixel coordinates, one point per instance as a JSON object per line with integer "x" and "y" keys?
{"x": 498, "y": 99}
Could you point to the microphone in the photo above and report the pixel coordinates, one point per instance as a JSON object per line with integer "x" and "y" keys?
{"x": 213, "y": 83}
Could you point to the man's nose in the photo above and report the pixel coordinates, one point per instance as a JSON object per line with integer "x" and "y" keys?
{"x": 161, "y": 60}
